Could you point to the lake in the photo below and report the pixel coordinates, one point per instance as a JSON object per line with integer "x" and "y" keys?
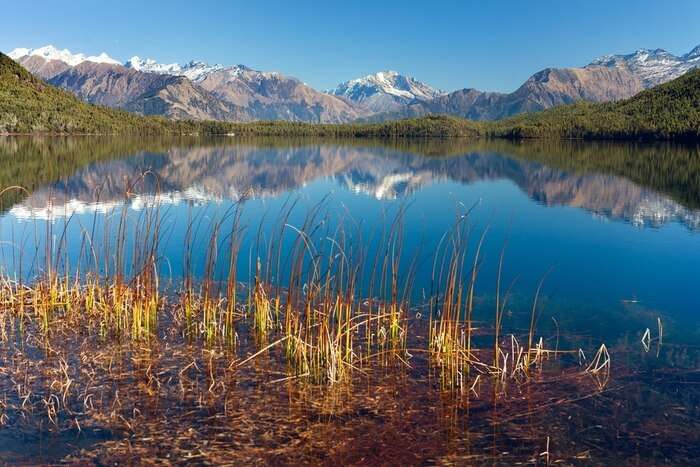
{"x": 604, "y": 238}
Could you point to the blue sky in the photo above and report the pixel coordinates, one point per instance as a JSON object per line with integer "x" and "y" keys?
{"x": 492, "y": 45}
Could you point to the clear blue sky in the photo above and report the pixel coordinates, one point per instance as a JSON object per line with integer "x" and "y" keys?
{"x": 490, "y": 45}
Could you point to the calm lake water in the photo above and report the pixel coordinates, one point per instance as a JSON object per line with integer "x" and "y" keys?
{"x": 613, "y": 228}
{"x": 620, "y": 248}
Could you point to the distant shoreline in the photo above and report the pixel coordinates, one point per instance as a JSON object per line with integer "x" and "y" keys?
{"x": 345, "y": 131}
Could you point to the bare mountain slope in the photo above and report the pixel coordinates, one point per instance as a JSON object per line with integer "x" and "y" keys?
{"x": 273, "y": 96}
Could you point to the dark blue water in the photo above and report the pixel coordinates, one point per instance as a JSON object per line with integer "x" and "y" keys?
{"x": 622, "y": 250}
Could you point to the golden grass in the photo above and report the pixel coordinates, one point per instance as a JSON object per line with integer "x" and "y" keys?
{"x": 314, "y": 291}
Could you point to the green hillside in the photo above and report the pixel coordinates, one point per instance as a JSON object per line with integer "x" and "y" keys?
{"x": 668, "y": 111}
{"x": 28, "y": 105}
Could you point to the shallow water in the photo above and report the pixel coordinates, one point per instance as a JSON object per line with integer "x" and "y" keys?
{"x": 614, "y": 244}
{"x": 617, "y": 226}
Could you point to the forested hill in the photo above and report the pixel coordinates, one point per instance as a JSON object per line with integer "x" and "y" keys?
{"x": 29, "y": 105}
{"x": 668, "y": 111}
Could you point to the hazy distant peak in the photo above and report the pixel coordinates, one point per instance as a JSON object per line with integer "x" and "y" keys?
{"x": 49, "y": 52}
{"x": 194, "y": 70}
{"x": 653, "y": 66}
{"x": 695, "y": 53}
{"x": 148, "y": 64}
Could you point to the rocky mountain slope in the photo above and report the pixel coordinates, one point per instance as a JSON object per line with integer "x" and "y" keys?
{"x": 178, "y": 98}
{"x": 609, "y": 78}
{"x": 194, "y": 91}
{"x": 44, "y": 68}
{"x": 273, "y": 96}
{"x": 200, "y": 91}
{"x": 543, "y": 90}
{"x": 653, "y": 67}
{"x": 107, "y": 84}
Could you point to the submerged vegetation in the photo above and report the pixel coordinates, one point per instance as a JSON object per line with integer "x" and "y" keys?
{"x": 316, "y": 290}
{"x": 117, "y": 343}
{"x": 315, "y": 344}
{"x": 670, "y": 111}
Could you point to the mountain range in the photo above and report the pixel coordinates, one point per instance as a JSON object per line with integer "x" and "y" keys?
{"x": 200, "y": 91}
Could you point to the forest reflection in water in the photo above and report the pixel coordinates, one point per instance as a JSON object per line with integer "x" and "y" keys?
{"x": 209, "y": 401}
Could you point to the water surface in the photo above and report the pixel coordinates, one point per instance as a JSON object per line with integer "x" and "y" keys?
{"x": 616, "y": 244}
{"x": 614, "y": 228}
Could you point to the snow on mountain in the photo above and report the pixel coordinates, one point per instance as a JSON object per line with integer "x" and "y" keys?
{"x": 194, "y": 70}
{"x": 652, "y": 66}
{"x": 19, "y": 53}
{"x": 49, "y": 52}
{"x": 197, "y": 71}
{"x": 388, "y": 82}
{"x": 150, "y": 65}
{"x": 385, "y": 90}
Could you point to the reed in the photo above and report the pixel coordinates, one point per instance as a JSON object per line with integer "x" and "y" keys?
{"x": 334, "y": 301}
{"x": 450, "y": 334}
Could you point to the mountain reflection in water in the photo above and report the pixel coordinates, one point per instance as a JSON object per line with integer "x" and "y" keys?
{"x": 217, "y": 173}
{"x": 618, "y": 222}
{"x": 614, "y": 228}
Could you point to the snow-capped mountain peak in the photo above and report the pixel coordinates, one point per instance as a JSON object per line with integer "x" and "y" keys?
{"x": 652, "y": 66}
{"x": 49, "y": 52}
{"x": 18, "y": 53}
{"x": 194, "y": 70}
{"x": 385, "y": 89}
{"x": 197, "y": 70}
{"x": 150, "y": 65}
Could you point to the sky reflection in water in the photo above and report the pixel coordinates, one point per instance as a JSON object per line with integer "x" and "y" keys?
{"x": 617, "y": 248}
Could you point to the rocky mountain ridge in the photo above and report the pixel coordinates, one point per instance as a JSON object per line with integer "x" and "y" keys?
{"x": 194, "y": 91}
{"x": 199, "y": 91}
